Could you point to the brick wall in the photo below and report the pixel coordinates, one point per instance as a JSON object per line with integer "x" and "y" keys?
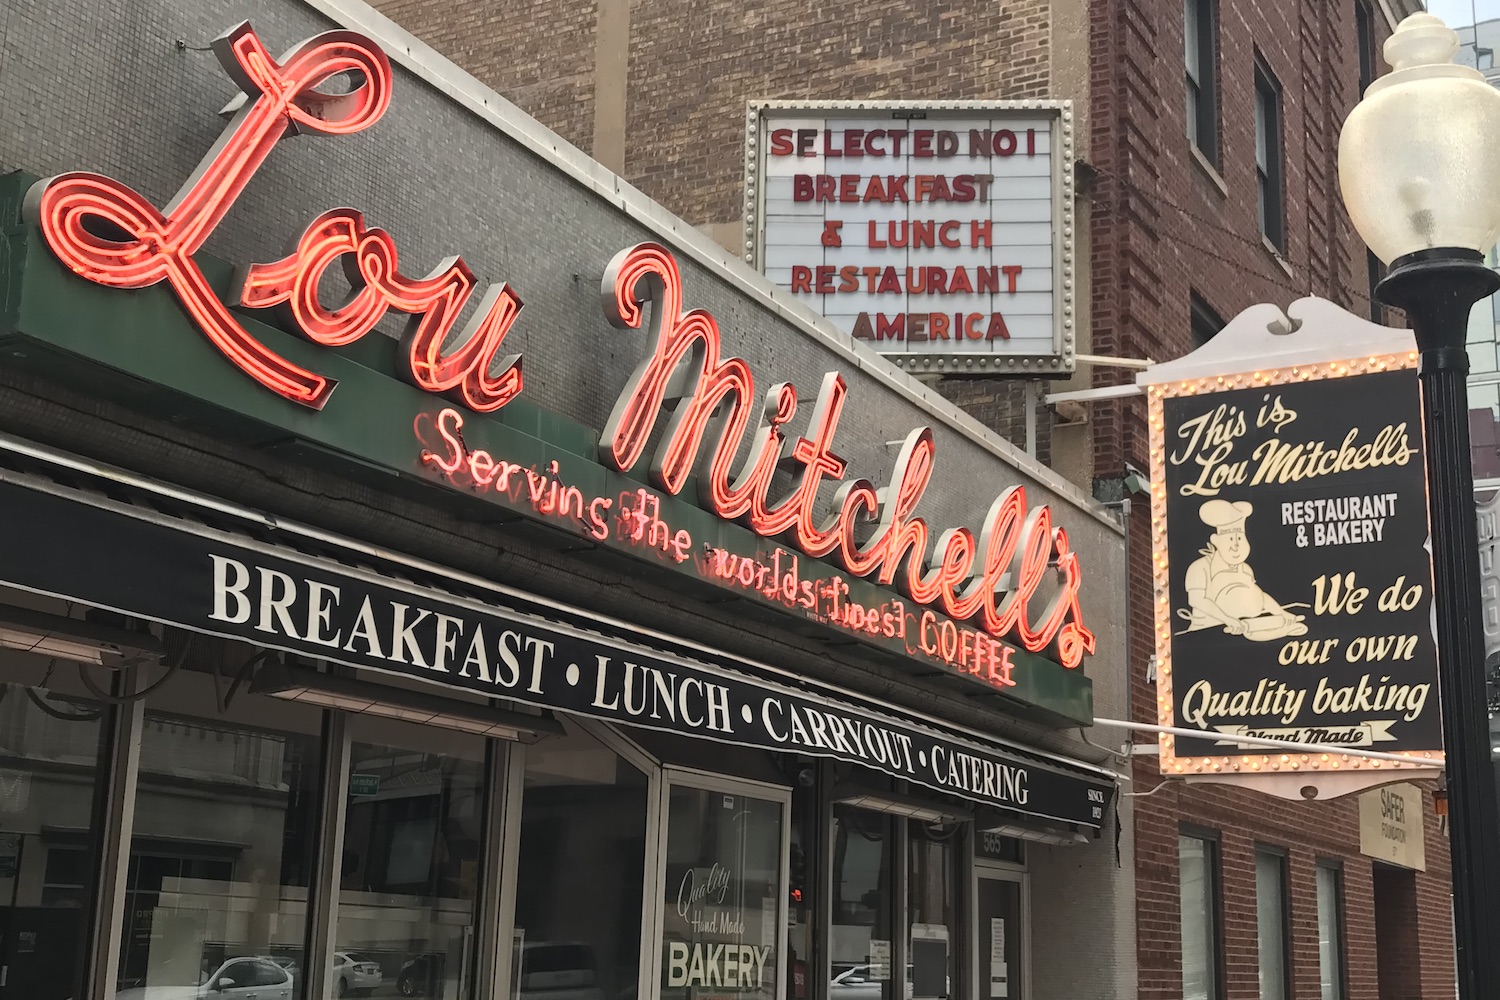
{"x": 689, "y": 79}
{"x": 551, "y": 78}
{"x": 692, "y": 70}
{"x": 1166, "y": 226}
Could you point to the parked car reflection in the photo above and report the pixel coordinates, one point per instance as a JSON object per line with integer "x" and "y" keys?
{"x": 855, "y": 983}
{"x": 354, "y": 975}
{"x": 233, "y": 979}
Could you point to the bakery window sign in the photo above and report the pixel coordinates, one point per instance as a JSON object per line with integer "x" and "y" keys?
{"x": 1293, "y": 581}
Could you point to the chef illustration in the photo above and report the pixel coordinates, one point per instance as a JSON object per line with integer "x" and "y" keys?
{"x": 1221, "y": 587}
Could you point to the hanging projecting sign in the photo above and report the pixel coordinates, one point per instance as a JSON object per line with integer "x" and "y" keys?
{"x": 1293, "y": 583}
{"x": 940, "y": 234}
{"x": 863, "y": 562}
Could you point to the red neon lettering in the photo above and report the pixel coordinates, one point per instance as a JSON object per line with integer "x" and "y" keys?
{"x": 377, "y": 285}
{"x": 449, "y": 427}
{"x": 109, "y": 234}
{"x": 692, "y": 339}
{"x": 993, "y": 578}
{"x": 82, "y": 215}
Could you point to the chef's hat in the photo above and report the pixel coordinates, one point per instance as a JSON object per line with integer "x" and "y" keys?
{"x": 1221, "y": 514}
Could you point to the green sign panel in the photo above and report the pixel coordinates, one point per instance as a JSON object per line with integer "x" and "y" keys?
{"x": 364, "y": 784}
{"x": 139, "y": 348}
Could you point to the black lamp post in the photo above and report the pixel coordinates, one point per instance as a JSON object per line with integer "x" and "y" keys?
{"x": 1419, "y": 165}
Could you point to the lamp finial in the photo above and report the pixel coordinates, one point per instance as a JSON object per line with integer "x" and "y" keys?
{"x": 1421, "y": 40}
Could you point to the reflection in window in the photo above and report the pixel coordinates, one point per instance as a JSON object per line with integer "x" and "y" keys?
{"x": 1330, "y": 933}
{"x": 1271, "y": 924}
{"x": 860, "y": 945}
{"x": 1203, "y": 322}
{"x": 999, "y": 933}
{"x": 1268, "y": 156}
{"x": 1200, "y": 57}
{"x": 409, "y": 875}
{"x": 1198, "y": 889}
{"x": 932, "y": 909}
{"x": 49, "y": 758}
{"x": 722, "y": 895}
{"x": 223, "y": 847}
{"x": 580, "y": 871}
{"x": 802, "y": 882}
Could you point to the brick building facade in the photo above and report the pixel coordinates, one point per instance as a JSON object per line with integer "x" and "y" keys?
{"x": 1177, "y": 244}
{"x": 1173, "y": 229}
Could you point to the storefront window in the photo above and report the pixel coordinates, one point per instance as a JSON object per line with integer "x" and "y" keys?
{"x": 723, "y": 890}
{"x": 409, "y": 875}
{"x": 860, "y": 943}
{"x": 932, "y": 908}
{"x": 223, "y": 845}
{"x": 50, "y": 738}
{"x": 580, "y": 873}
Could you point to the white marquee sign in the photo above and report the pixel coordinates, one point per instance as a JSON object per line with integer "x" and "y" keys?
{"x": 940, "y": 235}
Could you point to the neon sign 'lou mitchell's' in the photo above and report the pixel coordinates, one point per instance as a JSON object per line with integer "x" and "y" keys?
{"x": 107, "y": 233}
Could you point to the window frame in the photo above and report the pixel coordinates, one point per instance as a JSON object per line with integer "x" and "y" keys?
{"x": 1364, "y": 35}
{"x": 1341, "y": 949}
{"x": 1374, "y": 274}
{"x": 1284, "y": 888}
{"x": 1201, "y": 315}
{"x": 1201, "y": 77}
{"x": 1270, "y": 179}
{"x": 1213, "y": 852}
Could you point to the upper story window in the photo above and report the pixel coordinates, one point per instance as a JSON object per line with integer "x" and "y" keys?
{"x": 1364, "y": 34}
{"x": 1203, "y": 321}
{"x": 1198, "y": 891}
{"x": 1330, "y": 890}
{"x": 1374, "y": 272}
{"x": 1202, "y": 66}
{"x": 1268, "y": 156}
{"x": 1271, "y": 924}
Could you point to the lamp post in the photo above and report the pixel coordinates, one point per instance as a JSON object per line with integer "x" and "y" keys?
{"x": 1419, "y": 166}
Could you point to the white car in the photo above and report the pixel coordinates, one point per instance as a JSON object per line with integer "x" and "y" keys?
{"x": 354, "y": 974}
{"x": 234, "y": 979}
{"x": 854, "y": 983}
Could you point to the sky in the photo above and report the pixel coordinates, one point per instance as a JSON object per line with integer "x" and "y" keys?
{"x": 1462, "y": 12}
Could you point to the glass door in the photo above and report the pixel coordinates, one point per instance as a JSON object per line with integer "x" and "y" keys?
{"x": 1000, "y": 901}
{"x": 724, "y": 880}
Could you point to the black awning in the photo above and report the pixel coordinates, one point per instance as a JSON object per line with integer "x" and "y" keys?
{"x": 140, "y": 558}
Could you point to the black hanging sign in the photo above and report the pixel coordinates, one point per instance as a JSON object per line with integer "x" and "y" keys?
{"x": 1291, "y": 540}
{"x": 280, "y": 599}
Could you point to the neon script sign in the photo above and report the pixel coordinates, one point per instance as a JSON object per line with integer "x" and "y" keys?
{"x": 635, "y": 519}
{"x": 108, "y": 234}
